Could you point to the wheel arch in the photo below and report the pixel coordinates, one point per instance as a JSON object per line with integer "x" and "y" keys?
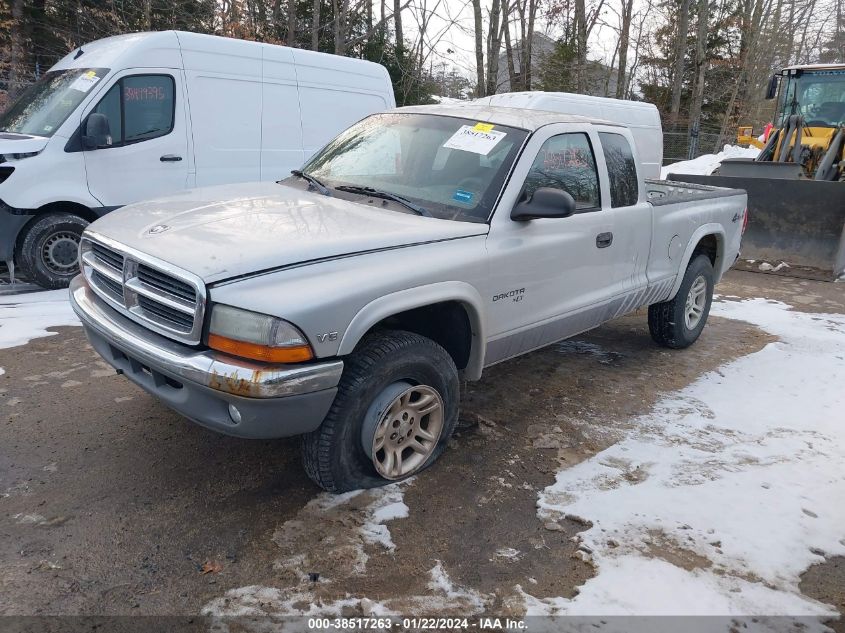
{"x": 450, "y": 313}
{"x": 708, "y": 239}
{"x": 74, "y": 208}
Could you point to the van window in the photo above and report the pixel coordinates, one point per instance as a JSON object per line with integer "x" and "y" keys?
{"x": 567, "y": 162}
{"x": 147, "y": 107}
{"x": 139, "y": 108}
{"x": 621, "y": 169}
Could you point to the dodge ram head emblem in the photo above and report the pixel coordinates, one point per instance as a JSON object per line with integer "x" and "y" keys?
{"x": 158, "y": 228}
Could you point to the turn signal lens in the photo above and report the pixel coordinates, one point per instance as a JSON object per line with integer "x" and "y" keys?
{"x": 256, "y": 336}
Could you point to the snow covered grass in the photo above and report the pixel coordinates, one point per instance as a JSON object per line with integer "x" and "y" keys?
{"x": 27, "y": 316}
{"x": 706, "y": 164}
{"x": 739, "y": 484}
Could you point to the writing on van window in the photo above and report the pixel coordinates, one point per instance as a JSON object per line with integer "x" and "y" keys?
{"x": 144, "y": 93}
{"x": 139, "y": 108}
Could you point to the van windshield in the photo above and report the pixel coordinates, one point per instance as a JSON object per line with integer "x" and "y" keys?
{"x": 451, "y": 168}
{"x": 47, "y": 103}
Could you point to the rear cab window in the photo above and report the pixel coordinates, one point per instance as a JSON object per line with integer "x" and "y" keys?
{"x": 621, "y": 169}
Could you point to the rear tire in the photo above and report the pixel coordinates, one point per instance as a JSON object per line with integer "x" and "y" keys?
{"x": 396, "y": 387}
{"x": 49, "y": 251}
{"x": 678, "y": 323}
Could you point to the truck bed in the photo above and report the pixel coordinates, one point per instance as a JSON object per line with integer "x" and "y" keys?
{"x": 663, "y": 192}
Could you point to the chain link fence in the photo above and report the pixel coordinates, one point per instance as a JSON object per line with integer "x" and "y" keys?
{"x": 683, "y": 143}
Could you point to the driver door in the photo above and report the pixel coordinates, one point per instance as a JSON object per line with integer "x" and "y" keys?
{"x": 550, "y": 276}
{"x": 148, "y": 156}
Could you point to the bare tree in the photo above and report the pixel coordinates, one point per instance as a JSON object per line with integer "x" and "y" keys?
{"x": 700, "y": 63}
{"x": 315, "y": 25}
{"x": 290, "y": 35}
{"x": 479, "y": 48}
{"x": 580, "y": 46}
{"x": 16, "y": 48}
{"x": 624, "y": 43}
{"x": 680, "y": 54}
{"x": 494, "y": 44}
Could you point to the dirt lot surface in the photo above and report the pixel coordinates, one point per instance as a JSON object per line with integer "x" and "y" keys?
{"x": 112, "y": 504}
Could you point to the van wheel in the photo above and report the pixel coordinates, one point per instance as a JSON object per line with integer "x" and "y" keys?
{"x": 396, "y": 407}
{"x": 49, "y": 251}
{"x": 678, "y": 323}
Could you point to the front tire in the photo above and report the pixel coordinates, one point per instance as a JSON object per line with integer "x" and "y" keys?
{"x": 678, "y": 323}
{"x": 396, "y": 407}
{"x": 49, "y": 251}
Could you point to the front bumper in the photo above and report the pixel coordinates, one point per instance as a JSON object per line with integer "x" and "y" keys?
{"x": 273, "y": 400}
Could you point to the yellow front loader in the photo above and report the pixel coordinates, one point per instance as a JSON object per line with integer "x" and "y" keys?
{"x": 796, "y": 185}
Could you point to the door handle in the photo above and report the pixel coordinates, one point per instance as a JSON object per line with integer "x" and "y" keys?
{"x": 603, "y": 240}
{"x": 170, "y": 158}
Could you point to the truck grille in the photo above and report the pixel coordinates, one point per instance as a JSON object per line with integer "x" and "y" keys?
{"x": 153, "y": 293}
{"x": 166, "y": 283}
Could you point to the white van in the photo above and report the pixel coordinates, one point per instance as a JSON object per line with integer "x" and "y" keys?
{"x": 138, "y": 116}
{"x": 643, "y": 119}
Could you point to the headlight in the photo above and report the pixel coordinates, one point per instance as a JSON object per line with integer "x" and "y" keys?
{"x": 256, "y": 336}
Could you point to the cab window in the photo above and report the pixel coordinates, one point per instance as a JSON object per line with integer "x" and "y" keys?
{"x": 139, "y": 108}
{"x": 567, "y": 162}
{"x": 621, "y": 169}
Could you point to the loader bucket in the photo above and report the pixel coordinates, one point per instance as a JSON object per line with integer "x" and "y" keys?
{"x": 800, "y": 222}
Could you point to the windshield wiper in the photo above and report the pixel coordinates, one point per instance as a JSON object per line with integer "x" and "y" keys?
{"x": 312, "y": 181}
{"x": 386, "y": 195}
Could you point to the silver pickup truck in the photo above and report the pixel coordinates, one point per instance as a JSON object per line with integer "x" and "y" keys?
{"x": 346, "y": 303}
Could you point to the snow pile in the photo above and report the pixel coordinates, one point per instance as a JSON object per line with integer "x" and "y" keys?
{"x": 707, "y": 164}
{"x": 27, "y": 316}
{"x": 720, "y": 498}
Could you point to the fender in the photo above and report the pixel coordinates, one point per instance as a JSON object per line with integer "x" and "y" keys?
{"x": 702, "y": 231}
{"x": 388, "y": 305}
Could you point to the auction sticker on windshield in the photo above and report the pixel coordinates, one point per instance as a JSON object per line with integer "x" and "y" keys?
{"x": 478, "y": 139}
{"x": 85, "y": 82}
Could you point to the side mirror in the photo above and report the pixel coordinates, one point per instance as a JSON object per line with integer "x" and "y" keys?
{"x": 546, "y": 202}
{"x": 772, "y": 89}
{"x": 97, "y": 132}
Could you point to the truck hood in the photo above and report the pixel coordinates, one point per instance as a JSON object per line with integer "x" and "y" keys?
{"x": 12, "y": 143}
{"x": 227, "y": 231}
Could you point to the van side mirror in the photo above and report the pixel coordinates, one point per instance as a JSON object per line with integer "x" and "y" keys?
{"x": 97, "y": 132}
{"x": 546, "y": 202}
{"x": 772, "y": 89}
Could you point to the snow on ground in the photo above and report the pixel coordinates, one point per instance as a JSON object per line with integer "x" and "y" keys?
{"x": 27, "y": 316}
{"x": 343, "y": 524}
{"x": 719, "y": 499}
{"x": 706, "y": 164}
{"x": 272, "y": 602}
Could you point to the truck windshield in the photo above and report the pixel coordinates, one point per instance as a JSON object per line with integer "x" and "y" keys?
{"x": 818, "y": 96}
{"x": 452, "y": 168}
{"x": 45, "y": 105}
